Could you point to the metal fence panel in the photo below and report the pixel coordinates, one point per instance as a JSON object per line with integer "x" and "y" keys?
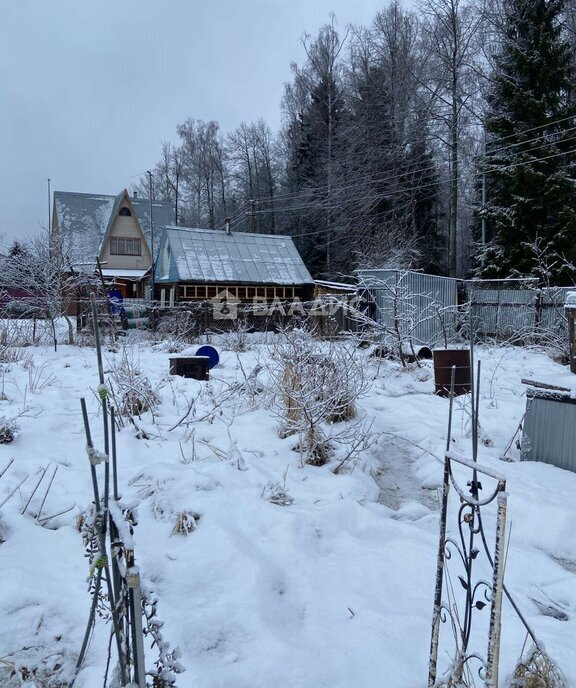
{"x": 423, "y": 306}
{"x": 520, "y": 313}
{"x": 550, "y": 431}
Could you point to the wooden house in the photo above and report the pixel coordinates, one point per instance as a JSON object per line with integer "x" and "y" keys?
{"x": 119, "y": 231}
{"x": 204, "y": 264}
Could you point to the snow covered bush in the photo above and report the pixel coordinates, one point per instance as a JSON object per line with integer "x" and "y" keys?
{"x": 8, "y": 430}
{"x": 168, "y": 665}
{"x": 537, "y": 671}
{"x": 275, "y": 493}
{"x": 316, "y": 384}
{"x": 36, "y": 666}
{"x": 39, "y": 377}
{"x": 236, "y": 338}
{"x": 186, "y": 523}
{"x": 184, "y": 324}
{"x": 131, "y": 391}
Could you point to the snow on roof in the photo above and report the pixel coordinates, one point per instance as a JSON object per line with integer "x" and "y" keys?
{"x": 84, "y": 218}
{"x": 208, "y": 255}
{"x": 123, "y": 272}
{"x": 336, "y": 285}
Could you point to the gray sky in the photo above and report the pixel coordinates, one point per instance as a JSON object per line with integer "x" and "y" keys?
{"x": 91, "y": 89}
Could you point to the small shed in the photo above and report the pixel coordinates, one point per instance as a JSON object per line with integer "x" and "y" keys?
{"x": 207, "y": 264}
{"x": 550, "y": 428}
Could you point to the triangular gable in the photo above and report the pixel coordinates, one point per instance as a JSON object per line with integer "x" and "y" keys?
{"x": 122, "y": 199}
{"x": 166, "y": 266}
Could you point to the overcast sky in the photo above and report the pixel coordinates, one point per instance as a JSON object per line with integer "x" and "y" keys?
{"x": 89, "y": 90}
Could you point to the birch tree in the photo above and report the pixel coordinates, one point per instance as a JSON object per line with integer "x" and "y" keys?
{"x": 450, "y": 31}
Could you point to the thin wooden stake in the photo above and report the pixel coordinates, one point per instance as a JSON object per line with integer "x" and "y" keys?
{"x": 7, "y": 467}
{"x": 15, "y": 490}
{"x": 46, "y": 493}
{"x": 34, "y": 490}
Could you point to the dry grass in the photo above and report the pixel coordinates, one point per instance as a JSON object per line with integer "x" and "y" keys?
{"x": 186, "y": 523}
{"x": 536, "y": 671}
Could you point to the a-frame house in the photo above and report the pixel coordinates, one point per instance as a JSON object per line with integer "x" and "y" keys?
{"x": 118, "y": 232}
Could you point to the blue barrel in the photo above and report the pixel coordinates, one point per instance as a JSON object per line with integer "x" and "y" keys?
{"x": 212, "y": 354}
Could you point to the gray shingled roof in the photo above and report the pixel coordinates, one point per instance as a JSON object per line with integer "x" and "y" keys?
{"x": 208, "y": 255}
{"x": 83, "y": 220}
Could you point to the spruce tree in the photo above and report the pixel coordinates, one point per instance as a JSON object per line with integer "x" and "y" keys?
{"x": 530, "y": 158}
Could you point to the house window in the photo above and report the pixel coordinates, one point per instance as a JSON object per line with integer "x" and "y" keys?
{"x": 120, "y": 246}
{"x": 125, "y": 212}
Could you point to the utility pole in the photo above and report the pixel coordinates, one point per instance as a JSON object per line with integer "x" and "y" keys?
{"x": 484, "y": 195}
{"x": 253, "y": 215}
{"x": 151, "y": 233}
{"x": 49, "y": 209}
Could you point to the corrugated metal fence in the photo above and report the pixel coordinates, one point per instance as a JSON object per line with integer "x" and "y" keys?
{"x": 426, "y": 308}
{"x": 521, "y": 314}
{"x": 422, "y": 307}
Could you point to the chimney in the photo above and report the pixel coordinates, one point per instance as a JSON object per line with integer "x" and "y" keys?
{"x": 227, "y": 223}
{"x": 135, "y": 194}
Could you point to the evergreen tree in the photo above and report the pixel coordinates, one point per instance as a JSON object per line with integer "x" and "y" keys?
{"x": 530, "y": 165}
{"x": 315, "y": 107}
{"x": 389, "y": 147}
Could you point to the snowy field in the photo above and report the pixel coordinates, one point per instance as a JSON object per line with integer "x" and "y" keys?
{"x": 293, "y": 575}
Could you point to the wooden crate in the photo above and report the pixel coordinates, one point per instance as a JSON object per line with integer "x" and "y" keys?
{"x": 196, "y": 367}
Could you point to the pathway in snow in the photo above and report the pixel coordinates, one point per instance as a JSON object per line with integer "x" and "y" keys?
{"x": 396, "y": 479}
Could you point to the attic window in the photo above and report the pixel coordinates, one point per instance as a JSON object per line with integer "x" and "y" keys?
{"x": 125, "y": 212}
{"x": 120, "y": 246}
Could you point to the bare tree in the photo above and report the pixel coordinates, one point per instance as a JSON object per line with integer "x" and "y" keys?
{"x": 203, "y": 171}
{"x": 450, "y": 30}
{"x": 45, "y": 278}
{"x": 252, "y": 155}
{"x": 389, "y": 143}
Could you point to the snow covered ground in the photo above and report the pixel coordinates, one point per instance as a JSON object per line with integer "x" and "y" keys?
{"x": 295, "y": 576}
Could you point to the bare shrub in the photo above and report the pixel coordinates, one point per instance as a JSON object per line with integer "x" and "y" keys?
{"x": 131, "y": 391}
{"x": 316, "y": 384}
{"x": 184, "y": 324}
{"x": 36, "y": 665}
{"x": 236, "y": 338}
{"x": 39, "y": 377}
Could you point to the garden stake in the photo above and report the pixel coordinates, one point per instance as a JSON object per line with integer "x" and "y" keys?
{"x": 103, "y": 394}
{"x": 15, "y": 490}
{"x": 89, "y": 625}
{"x": 493, "y": 655}
{"x": 102, "y": 562}
{"x": 135, "y": 593}
{"x": 432, "y": 670}
{"x": 46, "y": 493}
{"x": 34, "y": 490}
{"x": 7, "y": 467}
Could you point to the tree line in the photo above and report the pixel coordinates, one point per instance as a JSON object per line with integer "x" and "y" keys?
{"x": 439, "y": 138}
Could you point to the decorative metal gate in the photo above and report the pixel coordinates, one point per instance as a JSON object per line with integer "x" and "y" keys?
{"x": 467, "y": 545}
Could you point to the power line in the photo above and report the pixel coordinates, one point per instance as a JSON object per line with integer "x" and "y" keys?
{"x": 392, "y": 175}
{"x": 390, "y": 196}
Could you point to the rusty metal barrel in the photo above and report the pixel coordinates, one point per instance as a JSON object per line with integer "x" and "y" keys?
{"x": 444, "y": 361}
